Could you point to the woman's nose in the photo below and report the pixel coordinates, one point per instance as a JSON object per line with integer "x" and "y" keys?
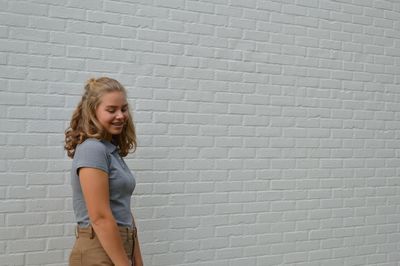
{"x": 120, "y": 114}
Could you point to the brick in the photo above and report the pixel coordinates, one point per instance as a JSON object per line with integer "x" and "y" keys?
{"x": 17, "y": 259}
{"x": 62, "y": 63}
{"x": 45, "y": 257}
{"x": 26, "y": 245}
{"x": 25, "y": 219}
{"x": 45, "y": 100}
{"x": 66, "y": 12}
{"x": 29, "y": 34}
{"x": 14, "y": 19}
{"x": 120, "y": 8}
{"x": 28, "y": 8}
{"x": 200, "y": 7}
{"x": 57, "y": 243}
{"x": 45, "y": 231}
{"x": 45, "y": 74}
{"x": 44, "y": 126}
{"x": 24, "y": 60}
{"x": 47, "y": 24}
{"x": 117, "y": 31}
{"x": 102, "y": 66}
{"x": 14, "y": 98}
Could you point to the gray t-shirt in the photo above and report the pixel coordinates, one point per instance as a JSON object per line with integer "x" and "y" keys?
{"x": 103, "y": 155}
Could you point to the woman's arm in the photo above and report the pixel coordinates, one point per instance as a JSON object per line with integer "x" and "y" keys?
{"x": 95, "y": 190}
{"x": 137, "y": 254}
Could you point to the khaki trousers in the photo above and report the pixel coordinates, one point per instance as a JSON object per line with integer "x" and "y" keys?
{"x": 87, "y": 250}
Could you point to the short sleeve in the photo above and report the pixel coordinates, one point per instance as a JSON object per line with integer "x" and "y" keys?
{"x": 92, "y": 154}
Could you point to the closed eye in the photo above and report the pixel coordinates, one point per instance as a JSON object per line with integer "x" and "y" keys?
{"x": 112, "y": 109}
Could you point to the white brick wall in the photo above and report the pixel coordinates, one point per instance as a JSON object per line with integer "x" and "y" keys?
{"x": 267, "y": 129}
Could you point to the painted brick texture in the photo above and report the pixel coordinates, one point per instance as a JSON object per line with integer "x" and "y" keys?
{"x": 268, "y": 129}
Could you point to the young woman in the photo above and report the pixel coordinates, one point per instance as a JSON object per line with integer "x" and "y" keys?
{"x": 100, "y": 134}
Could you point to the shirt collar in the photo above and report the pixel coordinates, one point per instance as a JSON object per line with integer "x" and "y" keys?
{"x": 110, "y": 147}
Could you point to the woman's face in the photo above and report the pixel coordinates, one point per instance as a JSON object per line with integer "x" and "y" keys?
{"x": 112, "y": 112}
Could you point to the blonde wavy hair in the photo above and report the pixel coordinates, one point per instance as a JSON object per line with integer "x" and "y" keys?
{"x": 84, "y": 123}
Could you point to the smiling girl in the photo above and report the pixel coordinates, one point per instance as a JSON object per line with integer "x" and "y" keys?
{"x": 100, "y": 134}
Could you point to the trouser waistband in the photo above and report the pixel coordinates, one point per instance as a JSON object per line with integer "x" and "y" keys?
{"x": 89, "y": 231}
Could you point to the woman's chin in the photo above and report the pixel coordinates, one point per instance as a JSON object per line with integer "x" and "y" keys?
{"x": 114, "y": 132}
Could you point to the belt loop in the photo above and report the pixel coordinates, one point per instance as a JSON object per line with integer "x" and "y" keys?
{"x": 91, "y": 232}
{"x": 134, "y": 232}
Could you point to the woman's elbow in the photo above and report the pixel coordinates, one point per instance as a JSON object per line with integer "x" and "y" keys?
{"x": 100, "y": 218}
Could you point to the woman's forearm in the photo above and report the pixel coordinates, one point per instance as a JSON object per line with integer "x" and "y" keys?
{"x": 107, "y": 231}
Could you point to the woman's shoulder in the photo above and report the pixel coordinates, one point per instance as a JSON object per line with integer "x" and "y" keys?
{"x": 91, "y": 153}
{"x": 91, "y": 144}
